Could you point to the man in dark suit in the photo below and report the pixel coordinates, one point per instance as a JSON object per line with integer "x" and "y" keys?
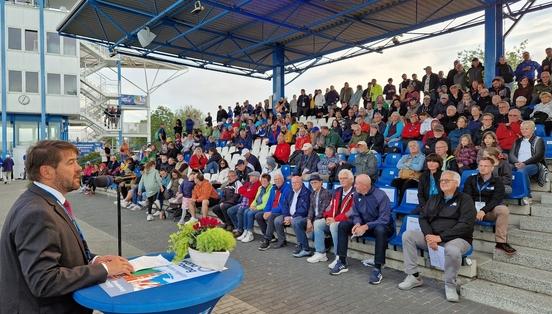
{"x": 43, "y": 255}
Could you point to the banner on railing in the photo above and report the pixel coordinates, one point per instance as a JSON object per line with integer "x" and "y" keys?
{"x": 132, "y": 100}
{"x": 86, "y": 148}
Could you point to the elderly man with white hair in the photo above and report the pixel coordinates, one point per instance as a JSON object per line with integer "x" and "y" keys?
{"x": 447, "y": 219}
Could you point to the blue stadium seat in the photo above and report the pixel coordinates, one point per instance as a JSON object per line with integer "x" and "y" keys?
{"x": 378, "y": 158}
{"x": 221, "y": 143}
{"x": 465, "y": 175}
{"x": 352, "y": 158}
{"x": 548, "y": 147}
{"x": 342, "y": 156}
{"x": 520, "y": 186}
{"x": 387, "y": 176}
{"x": 391, "y": 160}
{"x": 336, "y": 185}
{"x": 408, "y": 203}
{"x": 187, "y": 157}
{"x": 539, "y": 131}
{"x": 327, "y": 185}
{"x": 371, "y": 238}
{"x": 396, "y": 241}
{"x": 286, "y": 170}
{"x": 396, "y": 144}
{"x": 392, "y": 194}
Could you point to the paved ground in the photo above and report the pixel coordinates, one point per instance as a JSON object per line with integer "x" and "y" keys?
{"x": 275, "y": 282}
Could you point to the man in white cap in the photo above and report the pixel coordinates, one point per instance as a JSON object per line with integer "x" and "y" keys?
{"x": 308, "y": 162}
{"x": 365, "y": 161}
{"x": 252, "y": 161}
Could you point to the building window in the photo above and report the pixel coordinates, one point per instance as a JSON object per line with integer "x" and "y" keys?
{"x": 16, "y": 81}
{"x": 31, "y": 40}
{"x": 31, "y": 82}
{"x": 26, "y": 133}
{"x": 70, "y": 84}
{"x": 52, "y": 42}
{"x": 54, "y": 83}
{"x": 14, "y": 38}
{"x": 69, "y": 46}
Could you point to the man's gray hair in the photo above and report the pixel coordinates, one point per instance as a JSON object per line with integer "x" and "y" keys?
{"x": 455, "y": 176}
{"x": 348, "y": 173}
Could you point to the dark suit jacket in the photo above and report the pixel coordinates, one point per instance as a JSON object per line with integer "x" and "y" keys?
{"x": 42, "y": 258}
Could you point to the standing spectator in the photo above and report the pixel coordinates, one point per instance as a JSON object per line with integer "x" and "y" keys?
{"x": 161, "y": 134}
{"x": 7, "y": 169}
{"x": 293, "y": 105}
{"x": 332, "y": 97}
{"x": 107, "y": 152}
{"x": 546, "y": 64}
{"x": 178, "y": 127}
{"x": 222, "y": 114}
{"x": 355, "y": 99}
{"x": 151, "y": 183}
{"x": 405, "y": 81}
{"x": 389, "y": 90}
{"x": 189, "y": 125}
{"x": 375, "y": 91}
{"x": 340, "y": 204}
{"x": 346, "y": 93}
{"x": 460, "y": 77}
{"x": 527, "y": 68}
{"x": 209, "y": 120}
{"x": 319, "y": 102}
{"x": 430, "y": 83}
{"x": 527, "y": 154}
{"x": 451, "y": 73}
{"x": 447, "y": 219}
{"x": 366, "y": 100}
{"x": 370, "y": 215}
{"x": 303, "y": 104}
{"x": 475, "y": 73}
{"x": 416, "y": 83}
{"x": 504, "y": 70}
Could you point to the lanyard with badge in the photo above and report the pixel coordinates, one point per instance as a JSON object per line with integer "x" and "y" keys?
{"x": 479, "y": 205}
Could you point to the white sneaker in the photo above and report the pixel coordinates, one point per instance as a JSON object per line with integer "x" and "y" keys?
{"x": 317, "y": 257}
{"x": 149, "y": 217}
{"x": 243, "y": 235}
{"x": 124, "y": 203}
{"x": 192, "y": 220}
{"x": 248, "y": 238}
{"x": 411, "y": 282}
{"x": 134, "y": 207}
{"x": 332, "y": 264}
{"x": 157, "y": 213}
{"x": 143, "y": 203}
{"x": 157, "y": 204}
{"x": 451, "y": 294}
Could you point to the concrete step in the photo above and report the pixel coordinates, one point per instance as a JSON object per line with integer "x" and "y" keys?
{"x": 516, "y": 276}
{"x": 545, "y": 198}
{"x": 531, "y": 239}
{"x": 541, "y": 224}
{"x": 536, "y": 187}
{"x": 535, "y": 258}
{"x": 507, "y": 298}
{"x": 541, "y": 210}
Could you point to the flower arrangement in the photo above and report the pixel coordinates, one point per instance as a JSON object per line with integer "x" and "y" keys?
{"x": 204, "y": 235}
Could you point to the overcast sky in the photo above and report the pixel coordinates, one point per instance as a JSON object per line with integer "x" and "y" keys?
{"x": 206, "y": 90}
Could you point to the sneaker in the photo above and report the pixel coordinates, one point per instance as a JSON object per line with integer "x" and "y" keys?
{"x": 243, "y": 235}
{"x": 411, "y": 282}
{"x": 265, "y": 245}
{"x": 149, "y": 217}
{"x": 332, "y": 264}
{"x": 157, "y": 204}
{"x": 279, "y": 245}
{"x": 317, "y": 257}
{"x": 192, "y": 220}
{"x": 375, "y": 276}
{"x": 296, "y": 250}
{"x": 134, "y": 207}
{"x": 274, "y": 240}
{"x": 157, "y": 213}
{"x": 339, "y": 268}
{"x": 124, "y": 203}
{"x": 302, "y": 253}
{"x": 237, "y": 233}
{"x": 248, "y": 238}
{"x": 506, "y": 248}
{"x": 143, "y": 203}
{"x": 451, "y": 294}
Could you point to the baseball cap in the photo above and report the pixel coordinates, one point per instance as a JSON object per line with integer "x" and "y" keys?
{"x": 306, "y": 146}
{"x": 240, "y": 162}
{"x": 438, "y": 128}
{"x": 245, "y": 151}
{"x": 255, "y": 173}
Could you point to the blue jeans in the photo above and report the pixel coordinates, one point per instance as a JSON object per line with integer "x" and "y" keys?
{"x": 299, "y": 225}
{"x": 236, "y": 215}
{"x": 528, "y": 171}
{"x": 211, "y": 168}
{"x": 320, "y": 230}
{"x": 249, "y": 218}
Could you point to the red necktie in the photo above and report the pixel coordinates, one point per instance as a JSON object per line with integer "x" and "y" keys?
{"x": 68, "y": 208}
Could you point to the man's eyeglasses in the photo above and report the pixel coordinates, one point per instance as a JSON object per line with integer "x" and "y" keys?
{"x": 446, "y": 181}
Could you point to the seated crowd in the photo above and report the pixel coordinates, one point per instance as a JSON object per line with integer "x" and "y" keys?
{"x": 322, "y": 175}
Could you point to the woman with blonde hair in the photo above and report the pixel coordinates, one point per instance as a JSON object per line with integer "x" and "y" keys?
{"x": 151, "y": 181}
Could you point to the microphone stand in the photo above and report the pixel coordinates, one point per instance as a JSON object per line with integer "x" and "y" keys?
{"x": 119, "y": 246}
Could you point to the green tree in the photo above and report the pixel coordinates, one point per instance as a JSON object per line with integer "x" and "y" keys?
{"x": 190, "y": 112}
{"x": 161, "y": 115}
{"x": 513, "y": 56}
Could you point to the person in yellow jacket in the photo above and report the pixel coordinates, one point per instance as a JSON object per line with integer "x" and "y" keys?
{"x": 375, "y": 91}
{"x": 262, "y": 199}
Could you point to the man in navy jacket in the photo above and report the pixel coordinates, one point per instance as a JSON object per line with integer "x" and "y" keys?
{"x": 370, "y": 216}
{"x": 294, "y": 211}
{"x": 266, "y": 218}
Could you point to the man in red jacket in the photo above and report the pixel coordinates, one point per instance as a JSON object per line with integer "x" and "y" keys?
{"x": 508, "y": 133}
{"x": 282, "y": 152}
{"x": 411, "y": 130}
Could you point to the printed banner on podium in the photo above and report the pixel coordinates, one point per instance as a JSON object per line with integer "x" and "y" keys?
{"x": 153, "y": 277}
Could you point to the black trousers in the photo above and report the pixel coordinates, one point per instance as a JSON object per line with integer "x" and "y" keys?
{"x": 380, "y": 232}
{"x": 221, "y": 210}
{"x": 402, "y": 185}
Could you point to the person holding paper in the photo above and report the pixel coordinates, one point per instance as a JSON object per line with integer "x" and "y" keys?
{"x": 487, "y": 190}
{"x": 447, "y": 219}
{"x": 371, "y": 216}
{"x": 44, "y": 256}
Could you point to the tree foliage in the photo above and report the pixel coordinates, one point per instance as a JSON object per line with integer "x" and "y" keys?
{"x": 168, "y": 117}
{"x": 513, "y": 56}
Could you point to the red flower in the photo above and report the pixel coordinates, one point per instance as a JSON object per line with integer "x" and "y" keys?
{"x": 208, "y": 222}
